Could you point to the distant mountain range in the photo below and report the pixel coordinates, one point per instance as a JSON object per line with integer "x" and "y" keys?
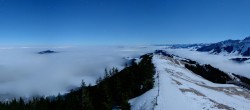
{"x": 193, "y": 46}
{"x": 240, "y": 47}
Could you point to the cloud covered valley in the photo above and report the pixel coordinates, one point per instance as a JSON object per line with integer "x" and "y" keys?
{"x": 24, "y": 72}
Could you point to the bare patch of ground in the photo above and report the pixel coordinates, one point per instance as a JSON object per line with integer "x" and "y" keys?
{"x": 193, "y": 91}
{"x": 216, "y": 104}
{"x": 177, "y": 82}
{"x": 221, "y": 106}
{"x": 230, "y": 91}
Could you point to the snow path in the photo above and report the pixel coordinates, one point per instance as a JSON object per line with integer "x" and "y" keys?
{"x": 180, "y": 89}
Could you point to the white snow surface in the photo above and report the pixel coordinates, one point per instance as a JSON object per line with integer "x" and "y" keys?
{"x": 180, "y": 89}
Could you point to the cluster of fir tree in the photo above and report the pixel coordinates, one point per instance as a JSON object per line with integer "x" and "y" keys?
{"x": 210, "y": 73}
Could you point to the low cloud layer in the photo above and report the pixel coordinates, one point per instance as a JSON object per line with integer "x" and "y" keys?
{"x": 23, "y": 72}
{"x": 220, "y": 61}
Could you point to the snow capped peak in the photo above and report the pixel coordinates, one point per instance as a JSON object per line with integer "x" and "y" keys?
{"x": 246, "y": 40}
{"x": 240, "y": 47}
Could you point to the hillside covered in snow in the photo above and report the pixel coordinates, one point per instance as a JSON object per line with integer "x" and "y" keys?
{"x": 178, "y": 88}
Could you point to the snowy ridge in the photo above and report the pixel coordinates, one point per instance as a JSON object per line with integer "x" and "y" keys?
{"x": 180, "y": 89}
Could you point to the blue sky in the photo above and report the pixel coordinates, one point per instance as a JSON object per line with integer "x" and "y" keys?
{"x": 122, "y": 22}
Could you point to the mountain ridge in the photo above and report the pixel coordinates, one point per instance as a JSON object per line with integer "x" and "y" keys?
{"x": 239, "y": 47}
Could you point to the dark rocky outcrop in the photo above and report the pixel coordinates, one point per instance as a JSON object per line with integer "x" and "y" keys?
{"x": 239, "y": 60}
{"x": 47, "y": 52}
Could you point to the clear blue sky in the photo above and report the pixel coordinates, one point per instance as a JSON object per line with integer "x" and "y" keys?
{"x": 122, "y": 21}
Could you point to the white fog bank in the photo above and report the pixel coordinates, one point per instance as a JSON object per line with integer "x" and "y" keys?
{"x": 24, "y": 72}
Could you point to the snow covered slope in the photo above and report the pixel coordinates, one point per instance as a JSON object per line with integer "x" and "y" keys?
{"x": 177, "y": 88}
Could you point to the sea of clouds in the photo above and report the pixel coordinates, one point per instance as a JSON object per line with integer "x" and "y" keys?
{"x": 24, "y": 72}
